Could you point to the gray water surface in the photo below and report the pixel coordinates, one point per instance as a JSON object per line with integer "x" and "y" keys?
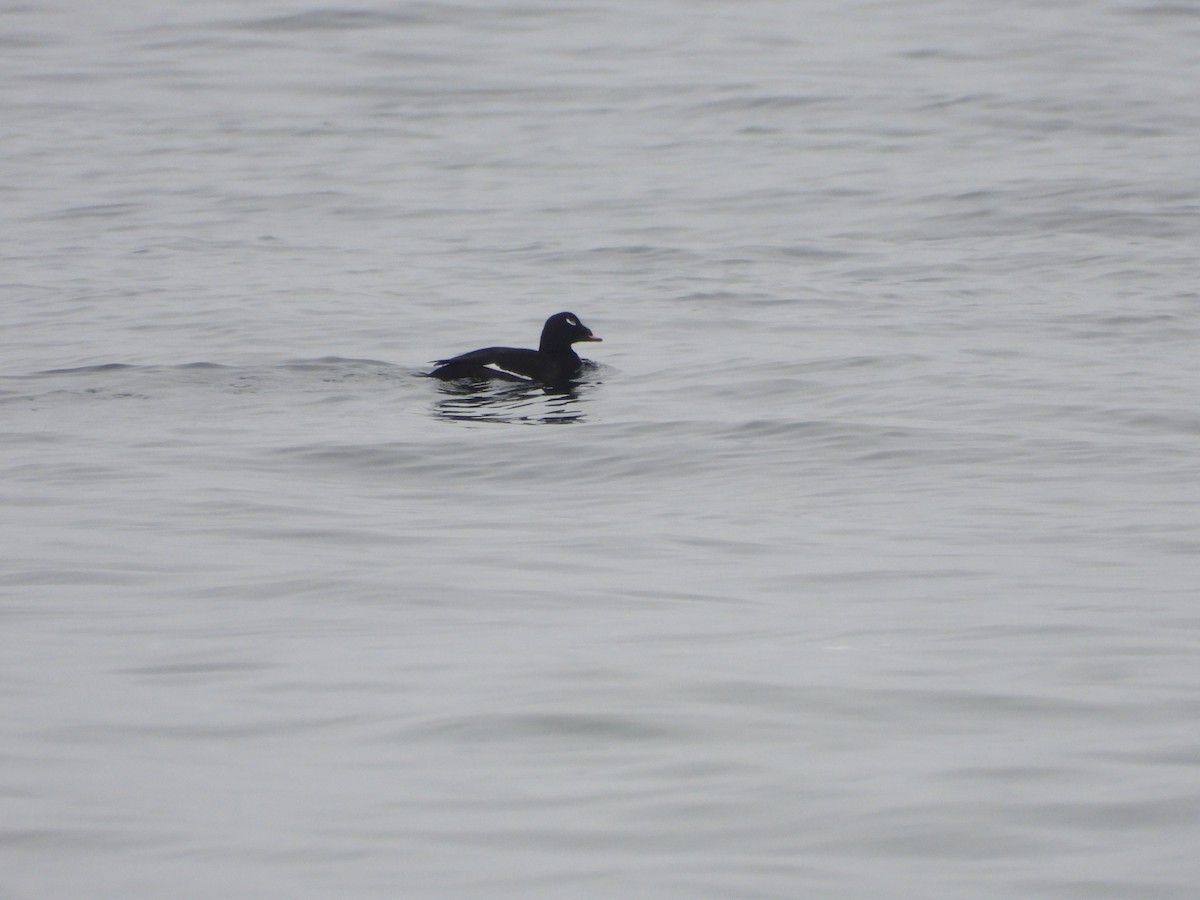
{"x": 863, "y": 563}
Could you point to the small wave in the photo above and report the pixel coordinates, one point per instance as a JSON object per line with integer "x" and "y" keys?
{"x": 761, "y": 101}
{"x": 125, "y": 367}
{"x": 643, "y": 251}
{"x": 86, "y": 370}
{"x": 325, "y": 361}
{"x": 1181, "y": 10}
{"x": 557, "y": 725}
{"x": 332, "y": 20}
{"x": 96, "y": 211}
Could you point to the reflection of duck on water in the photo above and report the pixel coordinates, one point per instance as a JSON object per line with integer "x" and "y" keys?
{"x": 526, "y": 403}
{"x": 554, "y": 362}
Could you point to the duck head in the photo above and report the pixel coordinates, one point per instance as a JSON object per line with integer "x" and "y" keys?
{"x": 562, "y": 330}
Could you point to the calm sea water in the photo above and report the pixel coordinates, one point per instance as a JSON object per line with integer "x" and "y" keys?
{"x": 864, "y": 564}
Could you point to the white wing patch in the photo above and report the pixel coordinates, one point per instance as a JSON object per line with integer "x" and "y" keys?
{"x": 496, "y": 367}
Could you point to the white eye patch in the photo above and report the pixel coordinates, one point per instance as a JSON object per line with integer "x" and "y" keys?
{"x": 571, "y": 321}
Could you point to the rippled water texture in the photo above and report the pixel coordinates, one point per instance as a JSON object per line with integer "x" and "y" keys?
{"x": 862, "y": 563}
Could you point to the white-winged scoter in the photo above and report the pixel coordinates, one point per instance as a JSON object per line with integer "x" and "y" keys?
{"x": 553, "y": 362}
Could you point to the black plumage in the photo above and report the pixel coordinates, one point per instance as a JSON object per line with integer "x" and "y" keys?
{"x": 553, "y": 362}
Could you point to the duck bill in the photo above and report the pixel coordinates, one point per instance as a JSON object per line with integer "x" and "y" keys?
{"x": 591, "y": 338}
